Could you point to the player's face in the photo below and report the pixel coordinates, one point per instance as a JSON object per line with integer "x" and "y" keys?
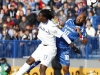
{"x": 40, "y": 17}
{"x": 80, "y": 19}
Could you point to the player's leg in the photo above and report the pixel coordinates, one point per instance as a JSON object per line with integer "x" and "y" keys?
{"x": 32, "y": 66}
{"x": 64, "y": 61}
{"x": 56, "y": 66}
{"x": 26, "y": 66}
{"x": 66, "y": 70}
{"x": 48, "y": 55}
{"x": 34, "y": 57}
{"x": 43, "y": 69}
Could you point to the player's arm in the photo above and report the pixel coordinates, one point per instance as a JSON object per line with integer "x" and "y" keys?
{"x": 65, "y": 37}
{"x": 83, "y": 40}
{"x": 58, "y": 33}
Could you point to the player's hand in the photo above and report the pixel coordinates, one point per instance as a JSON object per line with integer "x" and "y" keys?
{"x": 76, "y": 50}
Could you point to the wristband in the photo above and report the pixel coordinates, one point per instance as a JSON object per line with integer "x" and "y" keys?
{"x": 81, "y": 37}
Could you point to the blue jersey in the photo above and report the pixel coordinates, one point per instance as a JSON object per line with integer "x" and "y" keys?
{"x": 69, "y": 30}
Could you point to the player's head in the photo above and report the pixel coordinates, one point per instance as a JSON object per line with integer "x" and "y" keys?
{"x": 44, "y": 15}
{"x": 80, "y": 19}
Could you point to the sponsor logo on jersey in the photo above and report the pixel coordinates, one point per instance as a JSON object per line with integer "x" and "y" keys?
{"x": 47, "y": 31}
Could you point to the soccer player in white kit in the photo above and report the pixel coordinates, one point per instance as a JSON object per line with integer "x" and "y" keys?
{"x": 46, "y": 51}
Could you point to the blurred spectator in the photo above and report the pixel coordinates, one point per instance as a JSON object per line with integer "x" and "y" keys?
{"x": 1, "y": 1}
{"x": 65, "y": 8}
{"x": 83, "y": 1}
{"x": 71, "y": 3}
{"x": 6, "y": 2}
{"x": 21, "y": 34}
{"x": 51, "y": 3}
{"x": 92, "y": 18}
{"x": 9, "y": 22}
{"x": 28, "y": 7}
{"x": 27, "y": 35}
{"x": 5, "y": 35}
{"x": 90, "y": 30}
{"x": 1, "y": 13}
{"x": 20, "y": 8}
{"x": 37, "y": 9}
{"x": 5, "y": 8}
{"x": 62, "y": 16}
{"x": 44, "y": 6}
{"x": 98, "y": 35}
{"x": 81, "y": 8}
{"x": 5, "y": 68}
{"x": 34, "y": 32}
{"x": 40, "y": 3}
{"x": 58, "y": 3}
{"x": 12, "y": 11}
{"x": 15, "y": 34}
{"x": 98, "y": 9}
{"x": 19, "y": 17}
{"x": 5, "y": 28}
{"x": 56, "y": 10}
{"x": 13, "y": 3}
{"x": 32, "y": 3}
{"x": 31, "y": 17}
{"x": 17, "y": 27}
{"x": 90, "y": 15}
{"x": 1, "y": 23}
{"x": 76, "y": 10}
{"x": 10, "y": 31}
{"x": 71, "y": 13}
{"x": 24, "y": 22}
{"x": 98, "y": 31}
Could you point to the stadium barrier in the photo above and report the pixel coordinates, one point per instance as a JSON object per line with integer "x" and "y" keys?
{"x": 23, "y": 49}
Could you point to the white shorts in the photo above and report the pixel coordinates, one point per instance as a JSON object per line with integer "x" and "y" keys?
{"x": 45, "y": 54}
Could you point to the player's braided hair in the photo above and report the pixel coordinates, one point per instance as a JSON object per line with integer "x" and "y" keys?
{"x": 47, "y": 14}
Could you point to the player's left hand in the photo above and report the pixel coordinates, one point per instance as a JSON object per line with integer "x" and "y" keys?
{"x": 76, "y": 50}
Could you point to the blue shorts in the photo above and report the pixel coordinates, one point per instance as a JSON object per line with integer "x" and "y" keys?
{"x": 63, "y": 56}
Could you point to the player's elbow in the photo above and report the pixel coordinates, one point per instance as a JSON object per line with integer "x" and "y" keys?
{"x": 84, "y": 41}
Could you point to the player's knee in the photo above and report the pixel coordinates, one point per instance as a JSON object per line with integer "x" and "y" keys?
{"x": 66, "y": 69}
{"x": 42, "y": 68}
{"x": 30, "y": 60}
{"x": 55, "y": 64}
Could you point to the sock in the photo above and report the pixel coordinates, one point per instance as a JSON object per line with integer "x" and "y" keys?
{"x": 67, "y": 74}
{"x": 32, "y": 66}
{"x": 23, "y": 69}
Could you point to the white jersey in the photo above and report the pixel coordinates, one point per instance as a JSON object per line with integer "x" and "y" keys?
{"x": 48, "y": 33}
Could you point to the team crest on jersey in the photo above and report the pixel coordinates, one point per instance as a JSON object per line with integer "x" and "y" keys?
{"x": 45, "y": 57}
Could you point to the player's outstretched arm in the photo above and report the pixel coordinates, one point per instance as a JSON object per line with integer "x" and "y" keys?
{"x": 75, "y": 49}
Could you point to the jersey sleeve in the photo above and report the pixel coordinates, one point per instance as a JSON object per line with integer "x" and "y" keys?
{"x": 56, "y": 32}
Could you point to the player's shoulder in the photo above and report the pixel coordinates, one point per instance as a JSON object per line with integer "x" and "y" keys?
{"x": 51, "y": 24}
{"x": 69, "y": 20}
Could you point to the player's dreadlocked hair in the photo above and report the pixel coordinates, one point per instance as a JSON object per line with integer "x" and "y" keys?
{"x": 47, "y": 14}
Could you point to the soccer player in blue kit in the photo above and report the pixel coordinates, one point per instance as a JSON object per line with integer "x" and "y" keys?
{"x": 73, "y": 29}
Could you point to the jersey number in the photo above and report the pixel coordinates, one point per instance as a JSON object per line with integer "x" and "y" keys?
{"x": 67, "y": 32}
{"x": 66, "y": 57}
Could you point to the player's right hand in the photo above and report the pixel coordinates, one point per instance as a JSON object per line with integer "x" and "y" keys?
{"x": 76, "y": 50}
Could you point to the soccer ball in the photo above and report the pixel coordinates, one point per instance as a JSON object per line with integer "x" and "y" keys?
{"x": 92, "y": 3}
